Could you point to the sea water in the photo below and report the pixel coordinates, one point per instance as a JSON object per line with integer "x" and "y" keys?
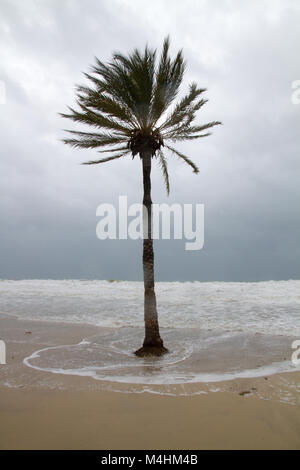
{"x": 213, "y": 330}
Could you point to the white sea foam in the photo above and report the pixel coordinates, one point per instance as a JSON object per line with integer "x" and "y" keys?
{"x": 271, "y": 307}
{"x": 194, "y": 357}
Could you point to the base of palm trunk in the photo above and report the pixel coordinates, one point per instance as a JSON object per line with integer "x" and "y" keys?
{"x": 146, "y": 351}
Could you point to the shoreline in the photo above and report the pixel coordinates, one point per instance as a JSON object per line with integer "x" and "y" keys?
{"x": 42, "y": 410}
{"x": 24, "y": 338}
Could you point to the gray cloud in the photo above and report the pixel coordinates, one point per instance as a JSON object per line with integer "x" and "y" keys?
{"x": 245, "y": 53}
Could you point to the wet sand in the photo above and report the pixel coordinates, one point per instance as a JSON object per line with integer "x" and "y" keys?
{"x": 41, "y": 410}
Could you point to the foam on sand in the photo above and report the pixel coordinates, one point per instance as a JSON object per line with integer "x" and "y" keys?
{"x": 195, "y": 356}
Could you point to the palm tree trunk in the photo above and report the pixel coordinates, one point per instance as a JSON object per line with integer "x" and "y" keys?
{"x": 153, "y": 344}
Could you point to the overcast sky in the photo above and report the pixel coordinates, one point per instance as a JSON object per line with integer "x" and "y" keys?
{"x": 246, "y": 53}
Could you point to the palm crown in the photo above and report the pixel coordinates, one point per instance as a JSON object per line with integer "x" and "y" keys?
{"x": 127, "y": 105}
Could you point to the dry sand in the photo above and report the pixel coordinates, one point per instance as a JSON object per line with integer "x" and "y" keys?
{"x": 40, "y": 410}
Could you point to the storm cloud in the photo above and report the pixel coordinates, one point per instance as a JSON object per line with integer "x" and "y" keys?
{"x": 247, "y": 56}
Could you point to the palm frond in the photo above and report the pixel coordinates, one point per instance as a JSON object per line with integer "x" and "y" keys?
{"x": 168, "y": 79}
{"x": 96, "y": 119}
{"x": 184, "y": 107}
{"x": 92, "y": 140}
{"x": 141, "y": 69}
{"x": 164, "y": 168}
{"x": 185, "y": 158}
{"x": 117, "y": 84}
{"x": 113, "y": 91}
{"x": 186, "y": 131}
{"x": 117, "y": 149}
{"x": 181, "y": 137}
{"x": 131, "y": 80}
{"x": 99, "y": 101}
{"x": 193, "y": 129}
{"x": 103, "y": 160}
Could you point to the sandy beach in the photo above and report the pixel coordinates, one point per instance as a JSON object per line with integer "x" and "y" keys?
{"x": 42, "y": 410}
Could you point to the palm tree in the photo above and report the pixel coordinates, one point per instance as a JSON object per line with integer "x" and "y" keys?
{"x": 127, "y": 103}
